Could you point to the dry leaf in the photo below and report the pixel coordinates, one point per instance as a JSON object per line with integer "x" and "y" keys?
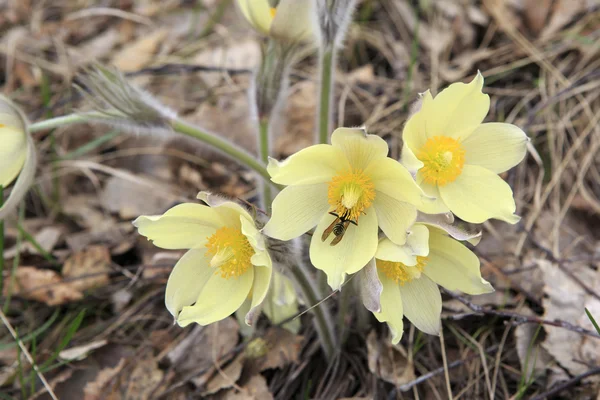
{"x": 227, "y": 377}
{"x": 47, "y": 237}
{"x": 566, "y": 299}
{"x": 536, "y": 13}
{"x": 81, "y": 352}
{"x": 42, "y": 285}
{"x": 97, "y": 390}
{"x": 255, "y": 389}
{"x": 88, "y": 268}
{"x": 140, "y": 200}
{"x": 203, "y": 347}
{"x": 139, "y": 54}
{"x": 534, "y": 359}
{"x": 284, "y": 348}
{"x": 144, "y": 379}
{"x": 388, "y": 362}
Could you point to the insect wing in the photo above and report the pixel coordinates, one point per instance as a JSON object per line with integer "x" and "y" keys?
{"x": 329, "y": 229}
{"x": 339, "y": 237}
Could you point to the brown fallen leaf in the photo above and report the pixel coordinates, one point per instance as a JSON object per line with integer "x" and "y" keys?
{"x": 42, "y": 285}
{"x": 255, "y": 389}
{"x": 97, "y": 390}
{"x": 138, "y": 54}
{"x": 88, "y": 268}
{"x": 227, "y": 377}
{"x": 388, "y": 362}
{"x": 283, "y": 348}
{"x": 144, "y": 379}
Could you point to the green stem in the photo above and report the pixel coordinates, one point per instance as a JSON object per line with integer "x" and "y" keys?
{"x": 177, "y": 125}
{"x": 60, "y": 121}
{"x": 223, "y": 145}
{"x": 1, "y": 240}
{"x": 323, "y": 327}
{"x": 327, "y": 66}
{"x": 264, "y": 156}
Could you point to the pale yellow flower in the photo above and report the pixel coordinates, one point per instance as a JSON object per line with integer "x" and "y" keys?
{"x": 458, "y": 159}
{"x": 17, "y": 155}
{"x": 290, "y": 20}
{"x": 13, "y": 142}
{"x": 281, "y": 303}
{"x": 227, "y": 261}
{"x": 353, "y": 182}
{"x": 402, "y": 281}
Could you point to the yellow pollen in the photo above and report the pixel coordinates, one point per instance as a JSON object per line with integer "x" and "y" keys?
{"x": 273, "y": 12}
{"x": 351, "y": 193}
{"x": 401, "y": 273}
{"x": 230, "y": 251}
{"x": 443, "y": 158}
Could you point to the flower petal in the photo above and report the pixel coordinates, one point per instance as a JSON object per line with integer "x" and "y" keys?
{"x": 495, "y": 146}
{"x": 417, "y": 244}
{"x": 436, "y": 204}
{"x": 24, "y": 181}
{"x": 293, "y": 20}
{"x": 260, "y": 287}
{"x": 391, "y": 307}
{"x": 13, "y": 151}
{"x": 218, "y": 299}
{"x": 453, "y": 266}
{"x": 228, "y": 210}
{"x": 457, "y": 110}
{"x": 370, "y": 287}
{"x": 187, "y": 280}
{"x": 297, "y": 209}
{"x": 478, "y": 194}
{"x": 359, "y": 147}
{"x": 258, "y": 14}
{"x": 352, "y": 253}
{"x": 281, "y": 303}
{"x": 391, "y": 178}
{"x": 314, "y": 164}
{"x": 184, "y": 226}
{"x": 394, "y": 217}
{"x": 441, "y": 222}
{"x": 422, "y": 304}
{"x": 414, "y": 134}
{"x": 410, "y": 160}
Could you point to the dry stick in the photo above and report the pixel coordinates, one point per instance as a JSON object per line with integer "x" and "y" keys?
{"x": 567, "y": 384}
{"x": 441, "y": 370}
{"x": 27, "y": 355}
{"x": 445, "y": 362}
{"x": 522, "y": 319}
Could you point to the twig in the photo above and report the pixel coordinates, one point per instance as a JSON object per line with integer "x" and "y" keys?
{"x": 440, "y": 370}
{"x": 27, "y": 355}
{"x": 566, "y": 384}
{"x": 445, "y": 365}
{"x": 521, "y": 319}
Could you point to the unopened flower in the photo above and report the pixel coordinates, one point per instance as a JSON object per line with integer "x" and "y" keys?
{"x": 348, "y": 189}
{"x": 402, "y": 280}
{"x": 334, "y": 17}
{"x": 281, "y": 304}
{"x": 227, "y": 261}
{"x": 458, "y": 159}
{"x": 285, "y": 20}
{"x": 118, "y": 103}
{"x": 17, "y": 154}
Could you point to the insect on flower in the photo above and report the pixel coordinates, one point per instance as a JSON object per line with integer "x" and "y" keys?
{"x": 338, "y": 228}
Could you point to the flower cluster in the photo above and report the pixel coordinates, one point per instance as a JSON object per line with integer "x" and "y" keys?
{"x": 388, "y": 221}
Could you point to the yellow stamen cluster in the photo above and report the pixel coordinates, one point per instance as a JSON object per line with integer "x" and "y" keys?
{"x": 351, "y": 193}
{"x": 230, "y": 251}
{"x": 401, "y": 273}
{"x": 443, "y": 158}
{"x": 273, "y": 12}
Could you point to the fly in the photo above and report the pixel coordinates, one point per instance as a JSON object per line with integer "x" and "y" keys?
{"x": 337, "y": 227}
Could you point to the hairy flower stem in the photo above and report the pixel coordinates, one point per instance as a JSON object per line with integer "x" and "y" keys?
{"x": 321, "y": 315}
{"x": 263, "y": 125}
{"x": 326, "y": 82}
{"x": 178, "y": 126}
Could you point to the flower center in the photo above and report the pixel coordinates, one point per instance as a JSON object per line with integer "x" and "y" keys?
{"x": 443, "y": 160}
{"x": 401, "y": 273}
{"x": 230, "y": 251}
{"x": 351, "y": 193}
{"x": 273, "y": 12}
